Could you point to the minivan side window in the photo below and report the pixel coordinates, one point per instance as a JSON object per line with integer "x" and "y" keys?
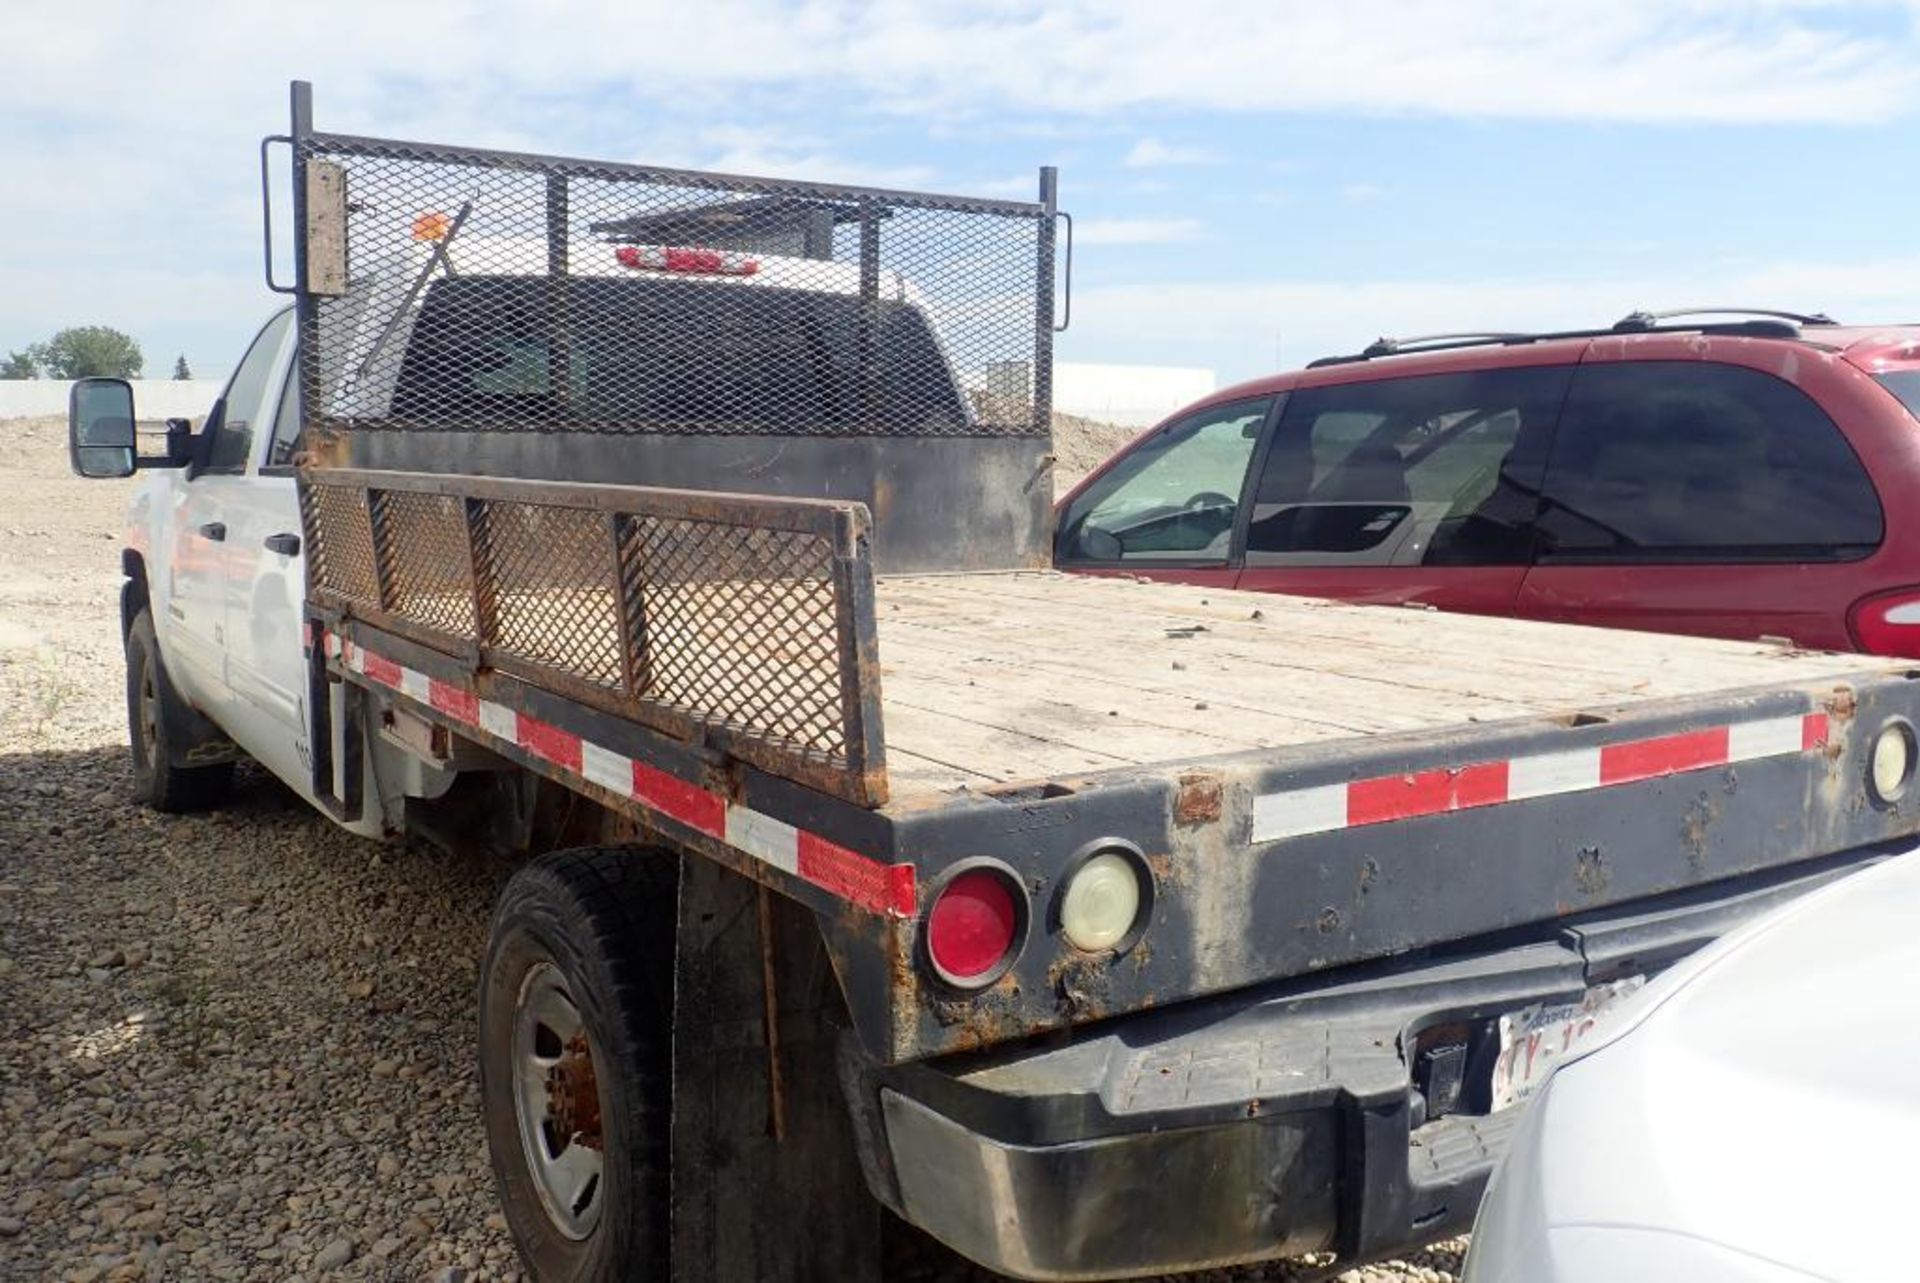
{"x": 1690, "y": 461}
{"x": 1433, "y": 470}
{"x": 1173, "y": 497}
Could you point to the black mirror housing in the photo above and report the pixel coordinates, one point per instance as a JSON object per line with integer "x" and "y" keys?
{"x": 100, "y": 431}
{"x": 180, "y": 443}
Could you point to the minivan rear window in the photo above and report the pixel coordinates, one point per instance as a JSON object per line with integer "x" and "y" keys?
{"x": 1904, "y": 384}
{"x": 1695, "y": 461}
{"x": 673, "y": 356}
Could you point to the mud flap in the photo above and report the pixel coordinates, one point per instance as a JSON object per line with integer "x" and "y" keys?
{"x": 192, "y": 737}
{"x": 766, "y": 1184}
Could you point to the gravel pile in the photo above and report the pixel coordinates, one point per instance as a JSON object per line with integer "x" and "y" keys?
{"x": 1081, "y": 445}
{"x": 233, "y": 1046}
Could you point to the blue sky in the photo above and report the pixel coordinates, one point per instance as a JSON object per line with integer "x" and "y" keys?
{"x": 1254, "y": 183}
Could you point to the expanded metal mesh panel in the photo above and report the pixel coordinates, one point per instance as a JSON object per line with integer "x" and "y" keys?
{"x": 422, "y": 542}
{"x": 551, "y": 575}
{"x": 340, "y": 557}
{"x": 466, "y": 291}
{"x": 741, "y": 625}
{"x": 747, "y": 617}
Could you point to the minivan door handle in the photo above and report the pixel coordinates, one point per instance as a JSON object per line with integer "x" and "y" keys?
{"x": 285, "y": 544}
{"x": 214, "y": 530}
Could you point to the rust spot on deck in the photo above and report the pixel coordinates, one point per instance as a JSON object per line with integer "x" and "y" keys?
{"x": 985, "y": 1019}
{"x": 1199, "y": 800}
{"x": 1165, "y": 872}
{"x": 1700, "y": 815}
{"x": 1079, "y": 983}
{"x": 1841, "y": 706}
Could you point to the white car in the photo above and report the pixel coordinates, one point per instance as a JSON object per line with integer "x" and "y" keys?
{"x": 1749, "y": 1117}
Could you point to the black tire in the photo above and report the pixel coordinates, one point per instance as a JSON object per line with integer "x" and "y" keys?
{"x": 602, "y": 919}
{"x": 152, "y": 709}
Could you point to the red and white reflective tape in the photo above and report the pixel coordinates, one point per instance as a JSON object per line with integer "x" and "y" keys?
{"x": 1323, "y": 809}
{"x": 869, "y": 883}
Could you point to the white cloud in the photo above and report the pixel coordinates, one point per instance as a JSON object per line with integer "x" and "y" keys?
{"x": 1135, "y": 231}
{"x": 1151, "y": 152}
{"x": 1360, "y": 193}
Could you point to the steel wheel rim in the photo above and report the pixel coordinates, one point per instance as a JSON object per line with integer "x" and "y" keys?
{"x": 147, "y": 711}
{"x": 556, "y": 1102}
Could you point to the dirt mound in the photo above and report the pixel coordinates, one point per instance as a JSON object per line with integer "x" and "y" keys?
{"x": 1081, "y": 445}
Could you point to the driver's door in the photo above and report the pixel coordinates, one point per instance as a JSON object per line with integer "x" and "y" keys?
{"x": 266, "y": 582}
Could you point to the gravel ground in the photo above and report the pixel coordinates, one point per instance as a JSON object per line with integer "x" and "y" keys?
{"x": 234, "y": 1046}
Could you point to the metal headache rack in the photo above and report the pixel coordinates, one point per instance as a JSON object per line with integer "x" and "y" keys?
{"x": 460, "y": 289}
{"x": 1761, "y": 323}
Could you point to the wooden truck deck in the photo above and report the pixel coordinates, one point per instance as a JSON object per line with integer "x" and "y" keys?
{"x": 987, "y": 678}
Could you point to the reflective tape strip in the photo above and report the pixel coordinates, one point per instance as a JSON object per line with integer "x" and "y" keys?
{"x": 610, "y": 770}
{"x": 1297, "y": 811}
{"x": 461, "y": 705}
{"x": 762, "y": 836}
{"x": 859, "y": 879}
{"x": 1326, "y": 808}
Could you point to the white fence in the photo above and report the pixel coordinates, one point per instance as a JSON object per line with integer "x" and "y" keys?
{"x": 153, "y": 399}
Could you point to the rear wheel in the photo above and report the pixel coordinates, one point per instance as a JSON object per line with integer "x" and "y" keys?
{"x": 152, "y": 708}
{"x": 576, "y": 1029}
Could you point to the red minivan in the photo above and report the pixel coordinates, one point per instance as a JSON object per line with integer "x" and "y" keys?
{"x": 1744, "y": 479}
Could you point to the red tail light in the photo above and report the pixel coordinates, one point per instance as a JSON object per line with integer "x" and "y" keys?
{"x": 660, "y": 258}
{"x": 974, "y": 926}
{"x": 1887, "y": 624}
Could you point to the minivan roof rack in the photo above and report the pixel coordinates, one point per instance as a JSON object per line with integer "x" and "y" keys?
{"x": 1384, "y": 346}
{"x": 1634, "y": 322}
{"x": 1764, "y": 323}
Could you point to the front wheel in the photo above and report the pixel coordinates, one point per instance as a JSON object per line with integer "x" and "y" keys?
{"x": 576, "y": 1068}
{"x": 152, "y": 712}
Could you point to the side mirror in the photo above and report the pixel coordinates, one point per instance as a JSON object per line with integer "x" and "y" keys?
{"x": 100, "y": 441}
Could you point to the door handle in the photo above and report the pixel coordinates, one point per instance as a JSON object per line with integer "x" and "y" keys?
{"x": 214, "y": 530}
{"x": 285, "y": 544}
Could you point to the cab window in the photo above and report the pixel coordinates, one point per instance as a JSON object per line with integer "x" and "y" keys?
{"x": 246, "y": 401}
{"x": 1690, "y": 461}
{"x": 1437, "y": 470}
{"x": 1173, "y": 497}
{"x": 286, "y": 423}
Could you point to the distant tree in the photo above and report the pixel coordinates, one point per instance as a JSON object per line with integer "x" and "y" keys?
{"x": 91, "y": 351}
{"x": 21, "y": 365}
{"x": 180, "y": 370}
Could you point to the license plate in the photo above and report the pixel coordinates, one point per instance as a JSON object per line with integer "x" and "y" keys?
{"x": 1535, "y": 1039}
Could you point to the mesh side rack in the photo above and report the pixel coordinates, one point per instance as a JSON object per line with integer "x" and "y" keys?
{"x": 740, "y": 620}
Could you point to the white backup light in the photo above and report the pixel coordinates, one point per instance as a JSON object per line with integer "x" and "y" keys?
{"x": 1892, "y": 766}
{"x": 1101, "y": 903}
